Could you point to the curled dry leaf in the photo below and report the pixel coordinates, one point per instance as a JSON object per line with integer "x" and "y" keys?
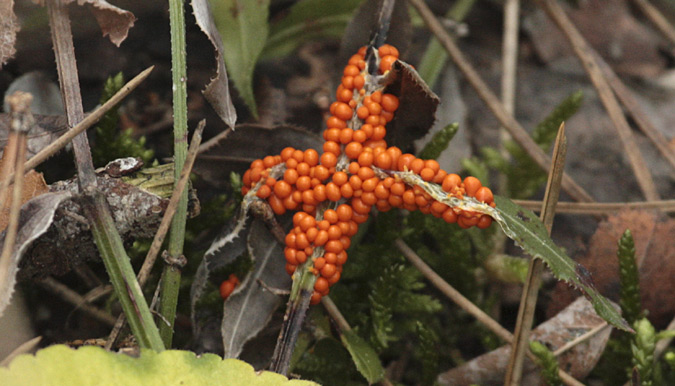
{"x": 35, "y": 218}
{"x": 114, "y": 22}
{"x": 575, "y": 320}
{"x": 9, "y": 26}
{"x": 655, "y": 255}
{"x": 416, "y": 113}
{"x": 217, "y": 92}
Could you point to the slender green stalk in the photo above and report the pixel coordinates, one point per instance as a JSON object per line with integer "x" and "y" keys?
{"x": 171, "y": 276}
{"x": 121, "y": 273}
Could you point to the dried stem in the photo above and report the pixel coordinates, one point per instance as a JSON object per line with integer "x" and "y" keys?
{"x": 657, "y": 19}
{"x": 21, "y": 122}
{"x": 95, "y": 206}
{"x": 335, "y": 313}
{"x": 77, "y": 300}
{"x": 517, "y": 131}
{"x": 465, "y": 303}
{"x": 528, "y": 302}
{"x": 666, "y": 206}
{"x": 633, "y": 106}
{"x": 584, "y": 52}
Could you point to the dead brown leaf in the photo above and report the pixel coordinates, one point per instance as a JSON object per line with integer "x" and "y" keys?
{"x": 33, "y": 185}
{"x": 575, "y": 320}
{"x": 114, "y": 22}
{"x": 655, "y": 255}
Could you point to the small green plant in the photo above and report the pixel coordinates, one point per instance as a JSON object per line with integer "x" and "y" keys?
{"x": 547, "y": 362}
{"x": 524, "y": 177}
{"x": 111, "y": 143}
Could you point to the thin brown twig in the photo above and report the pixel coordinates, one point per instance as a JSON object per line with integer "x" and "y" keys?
{"x": 62, "y": 39}
{"x": 86, "y": 123}
{"x": 164, "y": 225}
{"x": 582, "y": 338}
{"x": 528, "y": 302}
{"x": 21, "y": 122}
{"x": 335, "y": 313}
{"x": 517, "y": 131}
{"x": 666, "y": 206}
{"x": 465, "y": 303}
{"x": 655, "y": 16}
{"x": 206, "y": 146}
{"x": 24, "y": 348}
{"x": 77, "y": 300}
{"x": 631, "y": 104}
{"x": 585, "y": 54}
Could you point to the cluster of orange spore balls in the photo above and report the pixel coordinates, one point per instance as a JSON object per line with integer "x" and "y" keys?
{"x": 355, "y": 137}
{"x": 228, "y": 286}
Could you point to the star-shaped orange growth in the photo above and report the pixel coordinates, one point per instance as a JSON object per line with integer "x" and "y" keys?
{"x": 335, "y": 192}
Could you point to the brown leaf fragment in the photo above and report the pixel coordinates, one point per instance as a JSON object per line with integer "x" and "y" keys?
{"x": 655, "y": 256}
{"x": 575, "y": 320}
{"x": 33, "y": 185}
{"x": 417, "y": 109}
{"x": 9, "y": 26}
{"x": 217, "y": 92}
{"x": 114, "y": 22}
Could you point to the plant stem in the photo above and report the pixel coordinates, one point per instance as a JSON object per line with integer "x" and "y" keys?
{"x": 514, "y": 371}
{"x": 171, "y": 276}
{"x": 96, "y": 208}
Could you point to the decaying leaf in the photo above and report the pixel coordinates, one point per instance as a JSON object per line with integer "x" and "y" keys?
{"x": 248, "y": 143}
{"x": 9, "y": 26}
{"x": 416, "y": 112}
{"x": 114, "y": 22}
{"x": 575, "y": 320}
{"x": 217, "y": 92}
{"x": 249, "y": 309}
{"x": 35, "y": 218}
{"x": 655, "y": 255}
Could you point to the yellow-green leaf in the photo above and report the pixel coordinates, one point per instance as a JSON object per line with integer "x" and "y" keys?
{"x": 62, "y": 365}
